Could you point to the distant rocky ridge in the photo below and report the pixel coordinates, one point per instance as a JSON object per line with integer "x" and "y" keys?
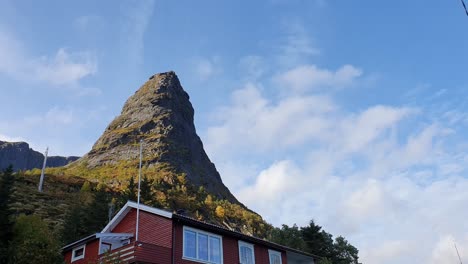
{"x": 22, "y": 157}
{"x": 161, "y": 115}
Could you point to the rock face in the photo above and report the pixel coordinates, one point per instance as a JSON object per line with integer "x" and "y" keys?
{"x": 161, "y": 115}
{"x": 22, "y": 157}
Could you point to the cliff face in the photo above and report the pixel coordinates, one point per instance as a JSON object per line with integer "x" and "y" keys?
{"x": 22, "y": 157}
{"x": 161, "y": 115}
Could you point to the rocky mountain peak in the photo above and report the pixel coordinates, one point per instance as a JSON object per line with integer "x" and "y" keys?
{"x": 160, "y": 114}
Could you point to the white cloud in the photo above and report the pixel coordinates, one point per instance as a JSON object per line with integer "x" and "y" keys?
{"x": 367, "y": 126}
{"x": 391, "y": 252}
{"x": 309, "y": 77}
{"x": 390, "y": 183}
{"x": 138, "y": 15}
{"x": 11, "y": 139}
{"x": 296, "y": 46}
{"x": 206, "y": 68}
{"x": 445, "y": 250}
{"x": 294, "y": 120}
{"x": 64, "y": 126}
{"x": 64, "y": 68}
{"x": 254, "y": 66}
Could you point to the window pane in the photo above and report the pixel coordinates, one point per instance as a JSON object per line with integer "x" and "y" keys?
{"x": 246, "y": 255}
{"x": 215, "y": 250}
{"x": 79, "y": 252}
{"x": 105, "y": 247}
{"x": 275, "y": 259}
{"x": 190, "y": 243}
{"x": 202, "y": 247}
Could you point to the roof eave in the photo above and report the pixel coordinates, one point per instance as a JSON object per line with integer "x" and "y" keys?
{"x": 79, "y": 242}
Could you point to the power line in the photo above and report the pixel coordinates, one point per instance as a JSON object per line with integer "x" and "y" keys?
{"x": 464, "y": 6}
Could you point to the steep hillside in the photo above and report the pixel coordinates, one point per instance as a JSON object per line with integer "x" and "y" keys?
{"x": 22, "y": 157}
{"x": 177, "y": 173}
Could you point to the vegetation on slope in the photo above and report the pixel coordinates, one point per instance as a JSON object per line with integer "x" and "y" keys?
{"x": 75, "y": 207}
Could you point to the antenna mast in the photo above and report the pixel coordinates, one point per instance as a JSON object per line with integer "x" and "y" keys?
{"x": 457, "y": 252}
{"x": 41, "y": 181}
{"x": 464, "y": 6}
{"x": 138, "y": 199}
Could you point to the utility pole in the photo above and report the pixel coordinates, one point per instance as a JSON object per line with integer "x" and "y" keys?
{"x": 41, "y": 181}
{"x": 138, "y": 198}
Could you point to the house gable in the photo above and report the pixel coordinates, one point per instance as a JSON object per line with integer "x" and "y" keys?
{"x": 91, "y": 249}
{"x": 127, "y": 208}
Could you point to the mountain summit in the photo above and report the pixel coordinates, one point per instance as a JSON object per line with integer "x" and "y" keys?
{"x": 161, "y": 115}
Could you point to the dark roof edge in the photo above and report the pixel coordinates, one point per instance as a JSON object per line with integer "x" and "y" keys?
{"x": 81, "y": 241}
{"x": 236, "y": 234}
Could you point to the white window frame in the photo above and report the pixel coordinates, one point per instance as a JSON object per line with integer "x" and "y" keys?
{"x": 198, "y": 231}
{"x": 245, "y": 244}
{"x": 73, "y": 258}
{"x": 274, "y": 253}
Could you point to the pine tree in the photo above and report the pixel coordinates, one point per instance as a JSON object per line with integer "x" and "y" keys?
{"x": 130, "y": 192}
{"x": 145, "y": 190}
{"x": 97, "y": 212}
{"x": 6, "y": 225}
{"x": 317, "y": 241}
{"x": 73, "y": 227}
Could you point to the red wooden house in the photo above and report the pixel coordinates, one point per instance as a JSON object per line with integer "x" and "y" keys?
{"x": 169, "y": 238}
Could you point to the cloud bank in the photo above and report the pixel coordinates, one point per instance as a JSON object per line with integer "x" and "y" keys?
{"x": 381, "y": 176}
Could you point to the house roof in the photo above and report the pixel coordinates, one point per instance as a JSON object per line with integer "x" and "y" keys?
{"x": 196, "y": 223}
{"x": 224, "y": 231}
{"x": 184, "y": 220}
{"x": 126, "y": 208}
{"x": 79, "y": 242}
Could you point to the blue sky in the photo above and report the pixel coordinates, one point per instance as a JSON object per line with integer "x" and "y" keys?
{"x": 350, "y": 113}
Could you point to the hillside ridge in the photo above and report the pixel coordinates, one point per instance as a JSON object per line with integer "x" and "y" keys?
{"x": 22, "y": 157}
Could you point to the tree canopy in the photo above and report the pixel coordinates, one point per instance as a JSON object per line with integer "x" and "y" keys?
{"x": 6, "y": 221}
{"x": 314, "y": 240}
{"x": 33, "y": 243}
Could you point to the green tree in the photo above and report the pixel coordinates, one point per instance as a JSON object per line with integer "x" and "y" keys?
{"x": 33, "y": 242}
{"x": 6, "y": 189}
{"x": 145, "y": 190}
{"x": 288, "y": 236}
{"x": 320, "y": 243}
{"x": 130, "y": 193}
{"x": 345, "y": 253}
{"x": 73, "y": 227}
{"x": 317, "y": 241}
{"x": 96, "y": 214}
{"x": 324, "y": 261}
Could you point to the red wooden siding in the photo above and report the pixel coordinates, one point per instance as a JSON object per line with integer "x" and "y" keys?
{"x": 153, "y": 229}
{"x": 148, "y": 253}
{"x": 230, "y": 250}
{"x": 262, "y": 255}
{"x": 91, "y": 254}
